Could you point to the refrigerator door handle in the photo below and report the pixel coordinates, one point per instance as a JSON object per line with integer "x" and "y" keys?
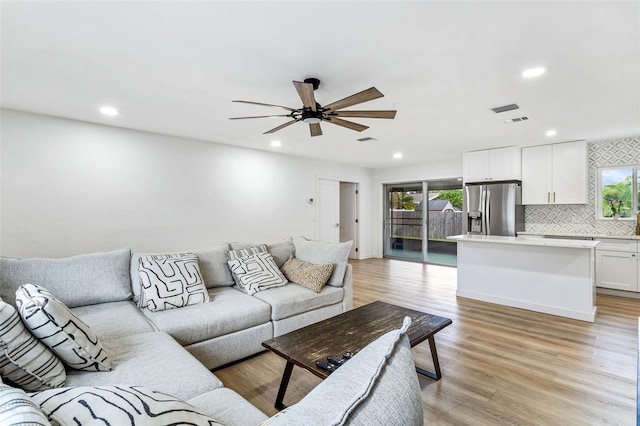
{"x": 487, "y": 216}
{"x": 482, "y": 212}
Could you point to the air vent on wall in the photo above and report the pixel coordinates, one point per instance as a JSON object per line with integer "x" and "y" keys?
{"x": 515, "y": 120}
{"x": 505, "y": 108}
{"x": 366, "y": 139}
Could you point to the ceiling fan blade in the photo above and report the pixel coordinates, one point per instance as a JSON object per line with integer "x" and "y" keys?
{"x": 348, "y": 124}
{"x": 315, "y": 129}
{"x": 366, "y": 114}
{"x": 282, "y": 126}
{"x": 305, "y": 91}
{"x": 364, "y": 96}
{"x": 269, "y": 105}
{"x": 259, "y": 116}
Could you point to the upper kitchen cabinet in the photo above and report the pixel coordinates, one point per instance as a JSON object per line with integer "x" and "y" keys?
{"x": 555, "y": 174}
{"x": 491, "y": 165}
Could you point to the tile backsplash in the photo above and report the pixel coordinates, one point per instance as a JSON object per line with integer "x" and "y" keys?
{"x": 581, "y": 218}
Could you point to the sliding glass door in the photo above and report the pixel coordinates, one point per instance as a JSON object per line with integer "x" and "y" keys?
{"x": 403, "y": 221}
{"x": 418, "y": 218}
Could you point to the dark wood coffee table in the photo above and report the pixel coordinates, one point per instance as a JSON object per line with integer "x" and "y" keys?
{"x": 350, "y": 332}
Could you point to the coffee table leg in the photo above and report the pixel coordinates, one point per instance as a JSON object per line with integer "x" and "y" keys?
{"x": 436, "y": 365}
{"x": 283, "y": 386}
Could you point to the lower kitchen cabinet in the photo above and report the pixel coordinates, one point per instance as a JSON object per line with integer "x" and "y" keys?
{"x": 617, "y": 265}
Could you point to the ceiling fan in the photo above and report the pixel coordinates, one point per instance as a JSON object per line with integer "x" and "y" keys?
{"x": 313, "y": 113}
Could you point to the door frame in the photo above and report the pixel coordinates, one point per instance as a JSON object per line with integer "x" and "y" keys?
{"x": 357, "y": 209}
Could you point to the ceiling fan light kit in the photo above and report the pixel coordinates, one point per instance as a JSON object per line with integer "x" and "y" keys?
{"x": 313, "y": 113}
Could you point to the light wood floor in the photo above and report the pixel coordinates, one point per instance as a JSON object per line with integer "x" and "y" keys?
{"x": 500, "y": 365}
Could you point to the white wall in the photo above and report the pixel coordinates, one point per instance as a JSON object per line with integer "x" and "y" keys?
{"x": 70, "y": 187}
{"x": 400, "y": 174}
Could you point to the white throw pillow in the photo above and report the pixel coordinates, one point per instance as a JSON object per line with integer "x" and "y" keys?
{"x": 17, "y": 408}
{"x": 243, "y": 252}
{"x": 256, "y": 273}
{"x": 24, "y": 360}
{"x": 117, "y": 405}
{"x": 59, "y": 329}
{"x": 171, "y": 281}
{"x": 323, "y": 252}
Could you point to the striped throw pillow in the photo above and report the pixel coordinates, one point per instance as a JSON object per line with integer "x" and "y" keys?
{"x": 171, "y": 281}
{"x": 16, "y": 408}
{"x": 117, "y": 405}
{"x": 24, "y": 360}
{"x": 256, "y": 273}
{"x": 59, "y": 329}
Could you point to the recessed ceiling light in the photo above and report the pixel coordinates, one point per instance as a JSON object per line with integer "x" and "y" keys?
{"x": 110, "y": 111}
{"x": 534, "y": 72}
{"x": 459, "y": 179}
{"x": 550, "y": 132}
{"x": 397, "y": 155}
{"x": 276, "y": 144}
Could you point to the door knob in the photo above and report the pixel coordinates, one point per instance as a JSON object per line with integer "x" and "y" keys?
{"x": 337, "y": 225}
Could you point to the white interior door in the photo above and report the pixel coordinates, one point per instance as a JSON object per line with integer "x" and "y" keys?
{"x": 348, "y": 215}
{"x": 329, "y": 210}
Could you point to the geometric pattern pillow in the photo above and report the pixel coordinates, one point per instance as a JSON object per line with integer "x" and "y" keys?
{"x": 59, "y": 329}
{"x": 117, "y": 405}
{"x": 24, "y": 360}
{"x": 171, "y": 281}
{"x": 309, "y": 275}
{"x": 240, "y": 253}
{"x": 16, "y": 408}
{"x": 256, "y": 272}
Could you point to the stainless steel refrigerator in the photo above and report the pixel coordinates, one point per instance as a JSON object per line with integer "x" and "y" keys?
{"x": 493, "y": 209}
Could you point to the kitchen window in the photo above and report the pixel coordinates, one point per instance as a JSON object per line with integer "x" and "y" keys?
{"x": 618, "y": 192}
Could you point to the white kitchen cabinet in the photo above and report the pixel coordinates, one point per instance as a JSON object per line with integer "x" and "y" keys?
{"x": 555, "y": 174}
{"x": 617, "y": 265}
{"x": 498, "y": 164}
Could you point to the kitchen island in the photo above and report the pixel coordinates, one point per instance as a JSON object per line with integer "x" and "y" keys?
{"x": 552, "y": 276}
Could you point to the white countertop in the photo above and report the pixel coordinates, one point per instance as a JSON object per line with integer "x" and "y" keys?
{"x": 549, "y": 242}
{"x": 569, "y": 234}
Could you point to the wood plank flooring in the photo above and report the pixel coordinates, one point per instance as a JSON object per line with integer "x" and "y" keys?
{"x": 500, "y": 365}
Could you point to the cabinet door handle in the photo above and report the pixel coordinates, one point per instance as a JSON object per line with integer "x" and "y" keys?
{"x": 554, "y": 197}
{"x": 548, "y": 198}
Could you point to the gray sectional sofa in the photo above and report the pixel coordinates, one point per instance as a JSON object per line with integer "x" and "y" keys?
{"x": 172, "y": 351}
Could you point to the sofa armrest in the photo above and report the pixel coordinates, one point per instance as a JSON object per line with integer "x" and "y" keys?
{"x": 347, "y": 302}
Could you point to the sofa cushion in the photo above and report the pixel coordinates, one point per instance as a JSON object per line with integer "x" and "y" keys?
{"x": 76, "y": 281}
{"x": 24, "y": 360}
{"x": 379, "y": 385}
{"x": 171, "y": 281}
{"x": 323, "y": 252}
{"x": 294, "y": 299}
{"x": 227, "y": 407}
{"x": 114, "y": 319}
{"x": 58, "y": 328}
{"x": 257, "y": 272}
{"x": 118, "y": 405}
{"x": 228, "y": 311}
{"x": 311, "y": 275}
{"x": 153, "y": 360}
{"x": 213, "y": 265}
{"x": 17, "y": 408}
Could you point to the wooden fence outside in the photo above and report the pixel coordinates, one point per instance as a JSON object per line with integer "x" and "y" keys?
{"x": 408, "y": 224}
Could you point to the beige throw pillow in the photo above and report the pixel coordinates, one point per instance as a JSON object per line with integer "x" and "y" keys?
{"x": 310, "y": 275}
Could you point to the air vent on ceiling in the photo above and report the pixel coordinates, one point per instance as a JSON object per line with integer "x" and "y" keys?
{"x": 517, "y": 119}
{"x": 505, "y": 108}
{"x": 366, "y": 139}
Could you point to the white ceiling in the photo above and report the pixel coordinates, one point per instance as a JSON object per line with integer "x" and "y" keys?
{"x": 173, "y": 67}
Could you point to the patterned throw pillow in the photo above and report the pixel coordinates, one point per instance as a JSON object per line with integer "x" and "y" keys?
{"x": 16, "y": 408}
{"x": 117, "y": 405}
{"x": 59, "y": 329}
{"x": 244, "y": 252}
{"x": 257, "y": 272}
{"x": 310, "y": 275}
{"x": 171, "y": 281}
{"x": 23, "y": 359}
